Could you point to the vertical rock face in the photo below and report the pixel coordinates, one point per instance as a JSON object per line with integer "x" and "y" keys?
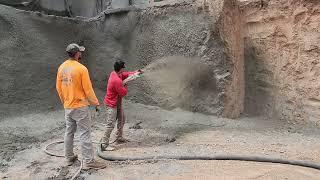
{"x": 261, "y": 52}
{"x": 142, "y": 37}
{"x": 282, "y": 58}
{"x": 231, "y": 33}
{"x": 70, "y": 8}
{"x": 31, "y": 49}
{"x": 162, "y": 33}
{"x": 181, "y": 31}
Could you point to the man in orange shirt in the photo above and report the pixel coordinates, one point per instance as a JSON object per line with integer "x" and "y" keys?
{"x": 76, "y": 94}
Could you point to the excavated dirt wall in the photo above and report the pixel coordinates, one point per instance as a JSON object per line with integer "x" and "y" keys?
{"x": 32, "y": 47}
{"x": 231, "y": 32}
{"x": 282, "y": 52}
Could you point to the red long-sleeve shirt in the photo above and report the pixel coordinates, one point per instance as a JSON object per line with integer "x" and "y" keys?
{"x": 115, "y": 88}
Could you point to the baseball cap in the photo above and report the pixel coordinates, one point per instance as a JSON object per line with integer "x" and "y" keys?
{"x": 75, "y": 48}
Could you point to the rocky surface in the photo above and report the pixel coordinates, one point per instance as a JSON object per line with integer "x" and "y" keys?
{"x": 282, "y": 58}
{"x": 33, "y": 46}
{"x": 231, "y": 28}
{"x": 269, "y": 49}
{"x": 68, "y": 8}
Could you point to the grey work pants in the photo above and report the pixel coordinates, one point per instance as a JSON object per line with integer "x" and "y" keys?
{"x": 114, "y": 115}
{"x": 80, "y": 118}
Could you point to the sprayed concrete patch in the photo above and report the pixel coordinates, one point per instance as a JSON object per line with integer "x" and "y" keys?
{"x": 139, "y": 37}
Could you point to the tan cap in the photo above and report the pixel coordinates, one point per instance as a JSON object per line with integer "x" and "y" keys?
{"x": 75, "y": 48}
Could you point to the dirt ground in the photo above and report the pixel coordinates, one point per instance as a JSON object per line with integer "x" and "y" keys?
{"x": 175, "y": 132}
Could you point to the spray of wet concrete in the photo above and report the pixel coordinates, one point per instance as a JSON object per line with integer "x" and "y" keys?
{"x": 182, "y": 82}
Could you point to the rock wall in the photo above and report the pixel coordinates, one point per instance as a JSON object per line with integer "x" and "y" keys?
{"x": 31, "y": 48}
{"x": 282, "y": 52}
{"x": 33, "y": 45}
{"x": 232, "y": 35}
{"x": 71, "y": 8}
{"x": 87, "y": 8}
{"x": 265, "y": 49}
{"x": 148, "y": 35}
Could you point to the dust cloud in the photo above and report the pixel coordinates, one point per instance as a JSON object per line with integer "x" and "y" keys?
{"x": 178, "y": 81}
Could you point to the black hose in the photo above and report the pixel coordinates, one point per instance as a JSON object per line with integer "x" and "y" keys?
{"x": 59, "y": 155}
{"x": 300, "y": 163}
{"x": 214, "y": 157}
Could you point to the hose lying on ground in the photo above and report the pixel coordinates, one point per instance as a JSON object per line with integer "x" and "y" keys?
{"x": 192, "y": 157}
{"x": 214, "y": 157}
{"x": 58, "y": 155}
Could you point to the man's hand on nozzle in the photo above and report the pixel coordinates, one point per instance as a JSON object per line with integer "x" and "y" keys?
{"x": 140, "y": 71}
{"x": 125, "y": 82}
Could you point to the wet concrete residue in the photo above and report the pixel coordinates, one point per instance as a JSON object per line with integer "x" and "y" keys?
{"x": 138, "y": 37}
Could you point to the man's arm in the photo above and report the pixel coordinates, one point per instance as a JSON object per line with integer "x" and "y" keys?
{"x": 87, "y": 87}
{"x": 58, "y": 87}
{"x": 125, "y": 75}
{"x": 121, "y": 89}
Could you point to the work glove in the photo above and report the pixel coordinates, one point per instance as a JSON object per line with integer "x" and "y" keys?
{"x": 95, "y": 112}
{"x": 98, "y": 110}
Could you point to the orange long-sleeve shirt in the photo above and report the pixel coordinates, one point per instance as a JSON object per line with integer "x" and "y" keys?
{"x": 74, "y": 86}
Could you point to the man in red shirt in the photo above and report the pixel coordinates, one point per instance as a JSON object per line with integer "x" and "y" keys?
{"x": 116, "y": 90}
